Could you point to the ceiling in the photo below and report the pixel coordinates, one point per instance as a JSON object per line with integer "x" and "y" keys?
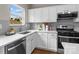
{"x": 42, "y": 5}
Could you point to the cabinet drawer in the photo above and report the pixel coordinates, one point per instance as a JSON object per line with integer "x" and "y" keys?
{"x": 54, "y": 35}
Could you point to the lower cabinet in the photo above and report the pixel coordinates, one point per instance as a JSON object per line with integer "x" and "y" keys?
{"x": 42, "y": 41}
{"x": 52, "y": 41}
{"x": 47, "y": 41}
{"x": 31, "y": 42}
{"x": 2, "y": 50}
{"x": 28, "y": 45}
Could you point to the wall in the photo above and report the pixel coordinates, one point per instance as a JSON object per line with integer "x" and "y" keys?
{"x": 4, "y": 18}
{"x": 24, "y": 27}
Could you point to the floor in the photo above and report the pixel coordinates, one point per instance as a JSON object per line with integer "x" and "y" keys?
{"x": 42, "y": 51}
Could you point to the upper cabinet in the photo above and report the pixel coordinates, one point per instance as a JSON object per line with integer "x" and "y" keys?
{"x": 34, "y": 15}
{"x": 17, "y": 15}
{"x": 49, "y": 14}
{"x": 42, "y": 15}
{"x": 52, "y": 14}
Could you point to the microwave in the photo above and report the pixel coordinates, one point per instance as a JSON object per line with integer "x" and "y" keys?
{"x": 67, "y": 15}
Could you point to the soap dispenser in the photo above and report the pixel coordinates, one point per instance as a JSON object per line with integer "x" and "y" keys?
{"x": 46, "y": 27}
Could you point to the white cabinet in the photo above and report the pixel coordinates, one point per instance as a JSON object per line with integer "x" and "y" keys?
{"x": 31, "y": 42}
{"x": 30, "y": 15}
{"x": 44, "y": 14}
{"x": 34, "y": 41}
{"x": 52, "y": 14}
{"x": 28, "y": 45}
{"x": 42, "y": 43}
{"x": 38, "y": 15}
{"x": 52, "y": 41}
{"x": 2, "y": 50}
{"x": 48, "y": 40}
{"x": 35, "y": 15}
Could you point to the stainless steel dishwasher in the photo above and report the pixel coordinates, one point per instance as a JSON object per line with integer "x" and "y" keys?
{"x": 17, "y": 47}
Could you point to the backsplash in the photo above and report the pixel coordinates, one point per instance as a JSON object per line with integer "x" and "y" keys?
{"x": 35, "y": 26}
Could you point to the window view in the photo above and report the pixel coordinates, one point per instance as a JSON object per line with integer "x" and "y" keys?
{"x": 16, "y": 15}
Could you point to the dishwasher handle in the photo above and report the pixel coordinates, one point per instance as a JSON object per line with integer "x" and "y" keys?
{"x": 9, "y": 49}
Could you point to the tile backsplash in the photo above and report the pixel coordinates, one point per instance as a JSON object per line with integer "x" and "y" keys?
{"x": 35, "y": 26}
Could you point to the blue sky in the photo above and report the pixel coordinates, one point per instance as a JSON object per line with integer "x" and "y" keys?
{"x": 15, "y": 10}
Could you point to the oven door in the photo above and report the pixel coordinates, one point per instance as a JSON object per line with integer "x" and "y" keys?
{"x": 70, "y": 39}
{"x": 59, "y": 43}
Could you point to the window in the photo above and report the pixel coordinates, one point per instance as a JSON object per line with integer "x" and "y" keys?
{"x": 17, "y": 15}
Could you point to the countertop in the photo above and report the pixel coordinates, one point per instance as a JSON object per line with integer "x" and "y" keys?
{"x": 53, "y": 31}
{"x": 5, "y": 40}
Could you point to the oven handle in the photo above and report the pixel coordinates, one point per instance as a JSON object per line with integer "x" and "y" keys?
{"x": 14, "y": 46}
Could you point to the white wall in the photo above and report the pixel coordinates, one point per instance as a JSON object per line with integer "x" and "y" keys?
{"x": 4, "y": 18}
{"x": 24, "y": 27}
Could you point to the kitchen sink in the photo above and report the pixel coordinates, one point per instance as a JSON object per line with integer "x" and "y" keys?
{"x": 24, "y": 32}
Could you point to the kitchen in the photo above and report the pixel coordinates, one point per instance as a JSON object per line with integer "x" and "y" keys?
{"x": 26, "y": 27}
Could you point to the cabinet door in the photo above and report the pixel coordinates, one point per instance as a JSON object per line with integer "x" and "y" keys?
{"x": 30, "y": 15}
{"x": 33, "y": 44}
{"x": 33, "y": 41}
{"x": 28, "y": 45}
{"x": 35, "y": 15}
{"x": 2, "y": 50}
{"x": 43, "y": 40}
{"x": 52, "y": 14}
{"x": 44, "y": 14}
{"x": 52, "y": 41}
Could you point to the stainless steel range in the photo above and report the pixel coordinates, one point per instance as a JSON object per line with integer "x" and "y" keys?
{"x": 66, "y": 35}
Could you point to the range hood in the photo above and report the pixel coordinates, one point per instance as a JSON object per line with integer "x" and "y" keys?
{"x": 67, "y": 15}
